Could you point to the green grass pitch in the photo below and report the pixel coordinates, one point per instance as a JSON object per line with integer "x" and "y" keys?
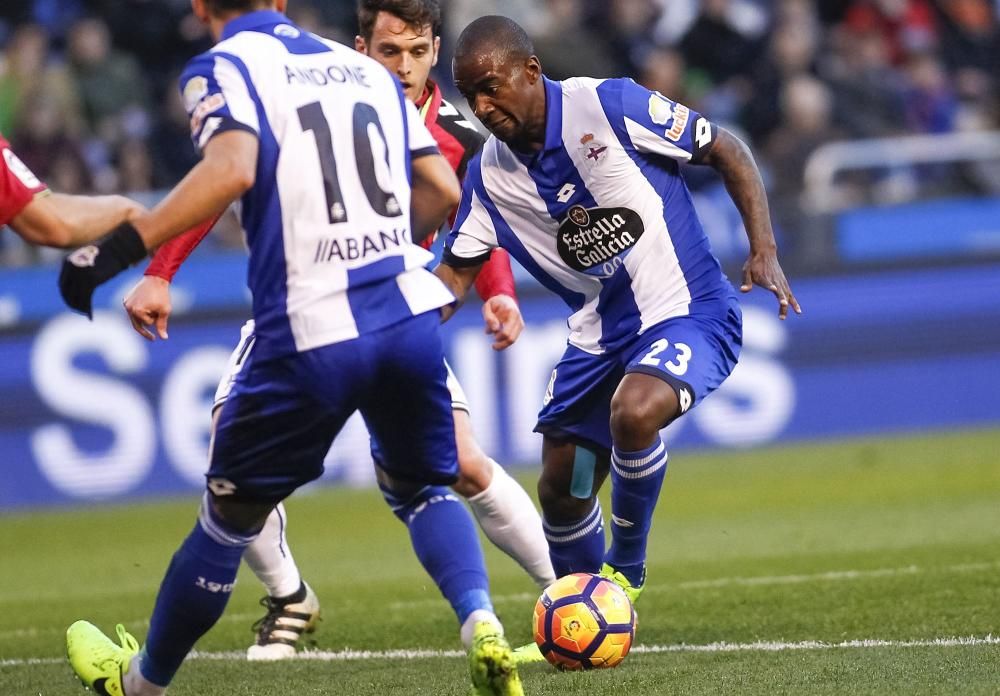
{"x": 839, "y": 568}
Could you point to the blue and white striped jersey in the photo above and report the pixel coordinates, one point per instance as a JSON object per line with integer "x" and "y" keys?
{"x": 601, "y": 215}
{"x": 327, "y": 220}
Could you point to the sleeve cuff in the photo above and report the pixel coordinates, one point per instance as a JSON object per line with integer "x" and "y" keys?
{"x": 424, "y": 151}
{"x": 459, "y": 262}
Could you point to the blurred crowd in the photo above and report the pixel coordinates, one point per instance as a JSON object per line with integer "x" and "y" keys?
{"x": 89, "y": 98}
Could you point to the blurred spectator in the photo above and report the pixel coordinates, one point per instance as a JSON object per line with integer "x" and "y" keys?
{"x": 568, "y": 48}
{"x": 110, "y": 81}
{"x": 792, "y": 52}
{"x": 867, "y": 89}
{"x": 629, "y": 26}
{"x": 928, "y": 100}
{"x": 805, "y": 123}
{"x": 726, "y": 39}
{"x": 135, "y": 166}
{"x": 170, "y": 141}
{"x": 663, "y": 71}
{"x": 26, "y": 69}
{"x": 906, "y": 26}
{"x": 44, "y": 138}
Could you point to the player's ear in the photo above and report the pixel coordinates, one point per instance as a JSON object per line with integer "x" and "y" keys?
{"x": 436, "y": 49}
{"x": 533, "y": 69}
{"x": 281, "y": 5}
{"x": 199, "y": 10}
{"x": 360, "y": 45}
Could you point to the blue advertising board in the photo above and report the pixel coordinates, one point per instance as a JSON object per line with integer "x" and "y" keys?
{"x": 92, "y": 412}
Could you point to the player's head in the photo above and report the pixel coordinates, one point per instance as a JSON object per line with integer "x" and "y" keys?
{"x": 497, "y": 72}
{"x": 402, "y": 35}
{"x": 212, "y": 12}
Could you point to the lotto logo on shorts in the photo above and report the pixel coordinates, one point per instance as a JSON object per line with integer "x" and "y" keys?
{"x": 221, "y": 486}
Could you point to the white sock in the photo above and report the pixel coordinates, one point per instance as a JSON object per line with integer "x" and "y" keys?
{"x": 469, "y": 625}
{"x": 137, "y": 685}
{"x": 271, "y": 560}
{"x": 508, "y": 517}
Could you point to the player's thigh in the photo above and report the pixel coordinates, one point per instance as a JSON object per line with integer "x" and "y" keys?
{"x": 577, "y": 400}
{"x": 693, "y": 355}
{"x": 408, "y": 407}
{"x": 272, "y": 435}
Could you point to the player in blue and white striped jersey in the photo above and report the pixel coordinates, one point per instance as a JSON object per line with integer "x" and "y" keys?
{"x": 319, "y": 144}
{"x": 581, "y": 184}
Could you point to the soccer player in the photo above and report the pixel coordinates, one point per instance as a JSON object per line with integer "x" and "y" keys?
{"x": 404, "y": 36}
{"x": 44, "y": 218}
{"x": 580, "y": 182}
{"x": 319, "y": 144}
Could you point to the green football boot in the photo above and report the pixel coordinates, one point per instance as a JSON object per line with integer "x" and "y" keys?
{"x": 98, "y": 662}
{"x": 528, "y": 654}
{"x": 491, "y": 663}
{"x": 632, "y": 591}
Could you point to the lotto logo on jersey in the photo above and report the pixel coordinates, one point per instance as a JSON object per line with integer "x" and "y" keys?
{"x": 595, "y": 240}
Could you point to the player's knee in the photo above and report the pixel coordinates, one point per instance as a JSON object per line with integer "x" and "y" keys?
{"x": 242, "y": 517}
{"x": 475, "y": 472}
{"x": 634, "y": 422}
{"x": 558, "y": 504}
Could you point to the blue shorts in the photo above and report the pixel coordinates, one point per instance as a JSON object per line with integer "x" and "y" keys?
{"x": 282, "y": 415}
{"x": 693, "y": 354}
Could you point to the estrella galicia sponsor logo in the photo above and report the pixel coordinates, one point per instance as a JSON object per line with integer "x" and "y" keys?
{"x": 596, "y": 240}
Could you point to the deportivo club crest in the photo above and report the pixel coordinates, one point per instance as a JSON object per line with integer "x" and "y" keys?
{"x": 579, "y": 215}
{"x": 595, "y": 241}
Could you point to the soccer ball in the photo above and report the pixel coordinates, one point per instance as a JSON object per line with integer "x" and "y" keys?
{"x": 584, "y": 621}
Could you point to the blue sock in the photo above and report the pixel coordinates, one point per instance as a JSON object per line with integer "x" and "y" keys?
{"x": 446, "y": 542}
{"x": 636, "y": 479}
{"x": 192, "y": 596}
{"x": 577, "y": 547}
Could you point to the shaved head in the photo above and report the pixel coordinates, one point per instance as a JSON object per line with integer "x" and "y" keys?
{"x": 497, "y": 72}
{"x": 493, "y": 34}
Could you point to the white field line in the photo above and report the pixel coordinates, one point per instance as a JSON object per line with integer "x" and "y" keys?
{"x": 762, "y": 580}
{"x": 351, "y": 655}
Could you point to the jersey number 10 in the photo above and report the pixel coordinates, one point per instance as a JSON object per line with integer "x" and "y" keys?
{"x": 383, "y": 202}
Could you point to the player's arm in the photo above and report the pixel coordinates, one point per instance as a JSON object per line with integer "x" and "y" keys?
{"x": 495, "y": 286}
{"x": 225, "y": 173}
{"x": 459, "y": 279}
{"x": 435, "y": 192}
{"x": 148, "y": 302}
{"x": 61, "y": 220}
{"x": 734, "y": 162}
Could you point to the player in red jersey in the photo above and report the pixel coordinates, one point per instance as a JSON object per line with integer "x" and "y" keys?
{"x": 44, "y": 218}
{"x": 403, "y": 35}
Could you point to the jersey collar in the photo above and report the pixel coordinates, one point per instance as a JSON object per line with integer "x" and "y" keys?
{"x": 553, "y": 114}
{"x": 429, "y": 102}
{"x": 553, "y": 124}
{"x": 252, "y": 20}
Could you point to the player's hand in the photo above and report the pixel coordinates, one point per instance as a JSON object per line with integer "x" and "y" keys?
{"x": 148, "y": 304}
{"x": 762, "y": 269}
{"x": 90, "y": 266}
{"x": 503, "y": 320}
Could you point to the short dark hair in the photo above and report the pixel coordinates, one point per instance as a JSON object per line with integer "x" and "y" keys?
{"x": 494, "y": 32}
{"x": 415, "y": 13}
{"x": 222, "y": 6}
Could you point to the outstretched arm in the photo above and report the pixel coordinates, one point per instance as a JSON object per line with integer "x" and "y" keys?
{"x": 226, "y": 172}
{"x": 62, "y": 220}
{"x": 458, "y": 279}
{"x": 732, "y": 159}
{"x": 435, "y": 194}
